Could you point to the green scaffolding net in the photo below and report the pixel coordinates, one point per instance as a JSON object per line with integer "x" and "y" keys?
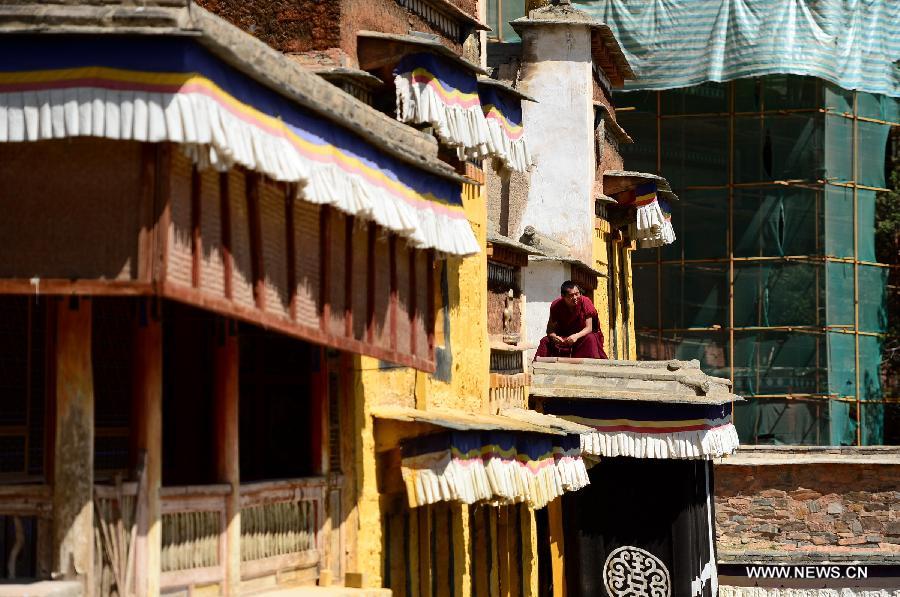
{"x": 777, "y": 178}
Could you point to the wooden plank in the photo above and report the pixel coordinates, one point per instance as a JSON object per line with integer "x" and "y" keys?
{"x": 185, "y": 504}
{"x": 349, "y": 222}
{"x": 163, "y": 207}
{"x": 227, "y": 459}
{"x": 395, "y": 299}
{"x": 191, "y": 296}
{"x": 413, "y": 310}
{"x": 146, "y": 211}
{"x": 503, "y": 551}
{"x": 257, "y": 260}
{"x": 429, "y": 306}
{"x": 426, "y": 536}
{"x": 324, "y": 266}
{"x": 196, "y": 236}
{"x": 146, "y": 388}
{"x": 111, "y": 492}
{"x": 225, "y": 214}
{"x": 185, "y": 578}
{"x": 176, "y": 491}
{"x": 63, "y": 287}
{"x": 557, "y": 550}
{"x": 370, "y": 285}
{"x": 73, "y": 474}
{"x": 318, "y": 415}
{"x": 274, "y": 564}
{"x": 291, "y": 243}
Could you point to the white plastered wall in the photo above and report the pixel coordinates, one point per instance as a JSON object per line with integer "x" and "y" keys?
{"x": 556, "y": 70}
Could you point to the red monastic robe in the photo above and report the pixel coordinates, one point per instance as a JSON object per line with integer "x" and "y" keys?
{"x": 571, "y": 321}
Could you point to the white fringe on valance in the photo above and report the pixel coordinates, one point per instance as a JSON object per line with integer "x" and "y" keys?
{"x": 213, "y": 136}
{"x": 651, "y": 227}
{"x": 430, "y": 479}
{"x": 463, "y": 128}
{"x": 712, "y": 443}
{"x": 511, "y": 155}
{"x": 728, "y": 591}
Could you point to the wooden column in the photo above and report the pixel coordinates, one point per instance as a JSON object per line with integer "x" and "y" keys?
{"x": 73, "y": 471}
{"x": 228, "y": 468}
{"x": 557, "y": 550}
{"x": 147, "y": 384}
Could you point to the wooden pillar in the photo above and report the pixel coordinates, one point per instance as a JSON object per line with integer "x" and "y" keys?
{"x": 557, "y": 550}
{"x": 73, "y": 471}
{"x": 228, "y": 468}
{"x": 147, "y": 433}
{"x": 529, "y": 553}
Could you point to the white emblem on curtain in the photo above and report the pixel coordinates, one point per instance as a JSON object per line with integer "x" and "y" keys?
{"x": 634, "y": 572}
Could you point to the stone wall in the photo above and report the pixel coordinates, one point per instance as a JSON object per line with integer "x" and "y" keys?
{"x": 814, "y": 500}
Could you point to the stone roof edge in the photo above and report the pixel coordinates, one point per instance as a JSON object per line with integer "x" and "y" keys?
{"x": 799, "y": 455}
{"x": 812, "y": 557}
{"x": 240, "y": 50}
{"x": 580, "y": 393}
{"x": 555, "y": 15}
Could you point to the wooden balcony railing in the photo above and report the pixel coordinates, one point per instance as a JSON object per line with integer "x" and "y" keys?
{"x": 282, "y": 526}
{"x": 22, "y": 502}
{"x": 193, "y": 534}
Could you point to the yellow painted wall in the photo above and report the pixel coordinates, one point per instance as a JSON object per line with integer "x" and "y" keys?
{"x": 610, "y": 265}
{"x": 467, "y": 387}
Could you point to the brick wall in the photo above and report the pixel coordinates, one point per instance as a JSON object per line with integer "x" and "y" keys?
{"x": 809, "y": 506}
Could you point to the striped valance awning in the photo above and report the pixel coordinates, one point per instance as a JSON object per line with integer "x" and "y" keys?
{"x": 503, "y": 112}
{"x": 434, "y": 90}
{"x": 653, "y": 218}
{"x": 643, "y": 429}
{"x": 491, "y": 466}
{"x": 165, "y": 89}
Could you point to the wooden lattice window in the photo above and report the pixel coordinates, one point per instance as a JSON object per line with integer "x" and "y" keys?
{"x": 24, "y": 387}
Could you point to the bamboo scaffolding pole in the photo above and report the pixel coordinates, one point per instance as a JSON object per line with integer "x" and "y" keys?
{"x": 659, "y": 249}
{"x": 855, "y": 170}
{"x": 729, "y": 238}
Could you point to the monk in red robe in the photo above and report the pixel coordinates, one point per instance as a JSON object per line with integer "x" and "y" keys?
{"x": 574, "y": 327}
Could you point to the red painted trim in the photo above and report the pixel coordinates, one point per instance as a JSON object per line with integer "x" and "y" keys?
{"x": 225, "y": 218}
{"x": 370, "y": 284}
{"x": 325, "y": 265}
{"x": 196, "y": 223}
{"x": 395, "y": 299}
{"x": 348, "y": 275}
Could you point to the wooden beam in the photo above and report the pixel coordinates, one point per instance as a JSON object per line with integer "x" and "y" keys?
{"x": 257, "y": 261}
{"x": 283, "y": 325}
{"x": 318, "y": 414}
{"x": 291, "y": 247}
{"x": 503, "y": 550}
{"x": 227, "y": 455}
{"x": 413, "y": 295}
{"x": 348, "y": 275}
{"x": 146, "y": 388}
{"x": 429, "y": 305}
{"x": 425, "y": 538}
{"x": 67, "y": 288}
{"x": 225, "y": 215}
{"x": 370, "y": 285}
{"x": 557, "y": 547}
{"x": 163, "y": 207}
{"x": 395, "y": 299}
{"x": 73, "y": 474}
{"x": 196, "y": 227}
{"x": 325, "y": 266}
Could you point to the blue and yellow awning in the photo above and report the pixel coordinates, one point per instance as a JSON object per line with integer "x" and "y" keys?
{"x": 165, "y": 89}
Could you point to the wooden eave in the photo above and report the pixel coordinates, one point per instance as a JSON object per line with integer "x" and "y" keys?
{"x": 240, "y": 50}
{"x": 376, "y": 50}
{"x": 505, "y": 88}
{"x": 610, "y": 121}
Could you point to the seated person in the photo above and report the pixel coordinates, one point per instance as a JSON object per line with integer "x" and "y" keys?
{"x": 574, "y": 327}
